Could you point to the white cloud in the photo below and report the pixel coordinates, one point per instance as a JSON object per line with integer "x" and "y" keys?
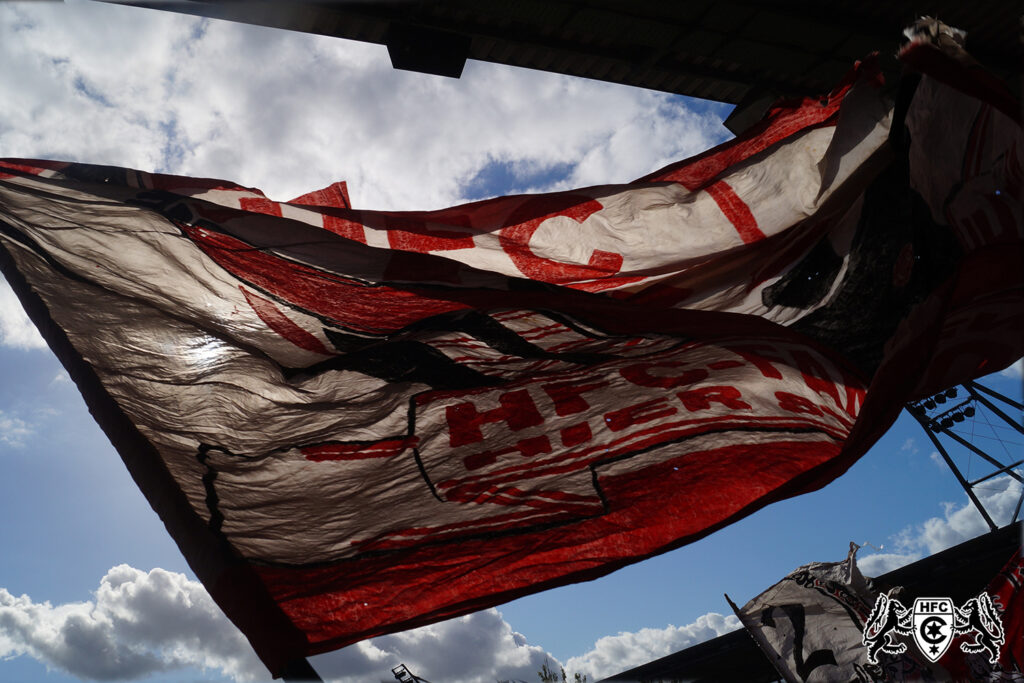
{"x": 141, "y": 623}
{"x": 909, "y": 446}
{"x": 614, "y": 654}
{"x": 138, "y": 624}
{"x": 290, "y": 112}
{"x": 477, "y": 648}
{"x": 13, "y": 430}
{"x": 16, "y": 329}
{"x": 958, "y": 523}
{"x": 881, "y": 563}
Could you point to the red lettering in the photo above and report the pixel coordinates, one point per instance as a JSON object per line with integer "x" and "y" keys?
{"x": 575, "y": 434}
{"x": 334, "y": 196}
{"x": 516, "y": 409}
{"x": 701, "y": 399}
{"x": 535, "y": 445}
{"x": 527, "y": 448}
{"x": 482, "y": 459}
{"x": 568, "y": 397}
{"x": 617, "y": 420}
{"x": 816, "y": 376}
{"x": 640, "y": 374}
{"x": 796, "y": 404}
{"x": 519, "y": 227}
{"x": 756, "y": 355}
{"x": 260, "y": 205}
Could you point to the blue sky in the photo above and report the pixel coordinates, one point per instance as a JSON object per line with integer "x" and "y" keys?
{"x": 85, "y": 562}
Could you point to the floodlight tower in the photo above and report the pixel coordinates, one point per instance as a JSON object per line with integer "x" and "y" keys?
{"x": 977, "y": 423}
{"x": 403, "y": 675}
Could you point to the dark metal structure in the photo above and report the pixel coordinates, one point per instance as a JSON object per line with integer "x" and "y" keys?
{"x": 951, "y": 419}
{"x": 403, "y": 675}
{"x": 737, "y": 51}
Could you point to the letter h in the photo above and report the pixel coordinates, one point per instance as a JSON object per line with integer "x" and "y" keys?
{"x": 516, "y": 409}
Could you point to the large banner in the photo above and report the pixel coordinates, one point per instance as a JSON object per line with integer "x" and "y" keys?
{"x": 355, "y": 422}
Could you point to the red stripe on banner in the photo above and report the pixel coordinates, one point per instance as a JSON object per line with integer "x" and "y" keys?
{"x": 407, "y": 234}
{"x": 333, "y": 196}
{"x": 357, "y": 451}
{"x": 260, "y": 205}
{"x": 736, "y": 210}
{"x": 660, "y": 434}
{"x": 29, "y": 166}
{"x": 782, "y": 121}
{"x": 488, "y": 493}
{"x": 346, "y": 228}
{"x": 335, "y": 607}
{"x": 357, "y": 305}
{"x": 282, "y": 324}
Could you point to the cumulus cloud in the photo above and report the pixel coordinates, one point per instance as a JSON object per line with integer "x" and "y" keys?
{"x": 138, "y": 624}
{"x": 959, "y": 522}
{"x": 16, "y": 330}
{"x": 141, "y": 623}
{"x": 291, "y": 112}
{"x": 13, "y": 430}
{"x": 881, "y": 563}
{"x": 477, "y": 648}
{"x": 614, "y": 654}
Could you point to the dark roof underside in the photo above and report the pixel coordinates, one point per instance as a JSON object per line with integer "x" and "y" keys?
{"x": 720, "y": 50}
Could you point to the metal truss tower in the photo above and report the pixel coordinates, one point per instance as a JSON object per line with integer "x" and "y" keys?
{"x": 974, "y": 430}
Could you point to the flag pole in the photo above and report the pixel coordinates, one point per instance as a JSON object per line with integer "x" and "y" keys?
{"x": 299, "y": 670}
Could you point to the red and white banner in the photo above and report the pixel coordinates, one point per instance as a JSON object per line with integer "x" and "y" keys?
{"x": 355, "y": 422}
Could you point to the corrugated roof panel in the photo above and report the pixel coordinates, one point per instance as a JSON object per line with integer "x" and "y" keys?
{"x": 789, "y": 45}
{"x": 794, "y": 32}
{"x": 621, "y": 28}
{"x": 761, "y": 57}
{"x": 726, "y": 17}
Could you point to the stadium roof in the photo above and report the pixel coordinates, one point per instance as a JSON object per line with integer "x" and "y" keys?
{"x": 732, "y": 51}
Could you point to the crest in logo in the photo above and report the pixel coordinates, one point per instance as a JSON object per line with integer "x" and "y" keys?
{"x": 933, "y": 626}
{"x": 934, "y": 623}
